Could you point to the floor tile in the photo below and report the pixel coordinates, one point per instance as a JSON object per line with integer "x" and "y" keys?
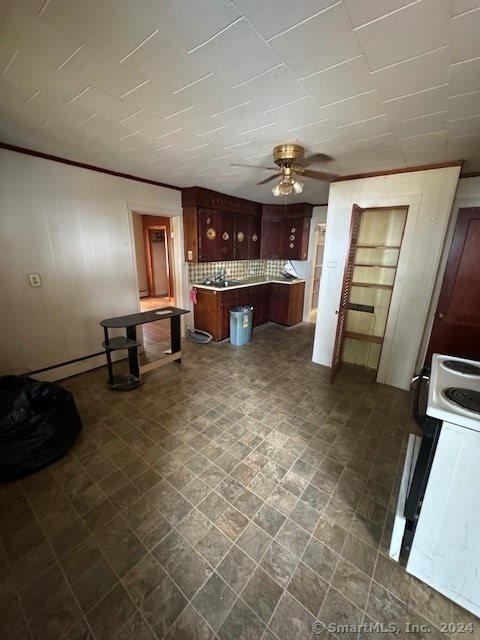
{"x": 241, "y": 624}
{"x": 232, "y": 523}
{"x": 262, "y": 593}
{"x": 143, "y": 578}
{"x": 308, "y": 588}
{"x": 163, "y": 606}
{"x": 279, "y": 563}
{"x": 191, "y": 573}
{"x": 110, "y": 613}
{"x": 214, "y": 600}
{"x": 213, "y": 546}
{"x": 190, "y": 626}
{"x": 269, "y": 519}
{"x": 291, "y": 620}
{"x": 254, "y": 541}
{"x": 236, "y": 568}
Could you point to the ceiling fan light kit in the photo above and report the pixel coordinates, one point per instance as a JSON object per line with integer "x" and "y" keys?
{"x": 286, "y": 186}
{"x": 289, "y": 158}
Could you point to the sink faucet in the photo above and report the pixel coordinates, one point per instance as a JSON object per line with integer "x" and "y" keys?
{"x": 220, "y": 275}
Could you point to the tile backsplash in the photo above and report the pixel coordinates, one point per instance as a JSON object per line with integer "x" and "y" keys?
{"x": 235, "y": 269}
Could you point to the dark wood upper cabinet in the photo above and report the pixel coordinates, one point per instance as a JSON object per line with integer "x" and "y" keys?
{"x": 219, "y": 227}
{"x": 216, "y": 231}
{"x": 285, "y": 231}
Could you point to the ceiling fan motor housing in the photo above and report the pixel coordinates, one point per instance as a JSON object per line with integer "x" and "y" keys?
{"x": 285, "y": 155}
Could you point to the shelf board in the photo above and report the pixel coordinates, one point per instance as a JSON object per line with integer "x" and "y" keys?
{"x": 372, "y": 285}
{"x": 120, "y": 342}
{"x": 364, "y": 337}
{"x": 125, "y": 382}
{"x": 378, "y": 246}
{"x": 380, "y": 266}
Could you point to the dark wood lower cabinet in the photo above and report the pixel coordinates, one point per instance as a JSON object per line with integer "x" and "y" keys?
{"x": 286, "y": 303}
{"x": 280, "y": 303}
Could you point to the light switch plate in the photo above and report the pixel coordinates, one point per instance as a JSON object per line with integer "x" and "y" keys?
{"x": 35, "y": 279}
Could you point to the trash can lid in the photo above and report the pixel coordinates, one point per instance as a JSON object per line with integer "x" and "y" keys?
{"x": 240, "y": 309}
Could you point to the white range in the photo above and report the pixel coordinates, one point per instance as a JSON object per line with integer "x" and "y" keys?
{"x": 442, "y": 540}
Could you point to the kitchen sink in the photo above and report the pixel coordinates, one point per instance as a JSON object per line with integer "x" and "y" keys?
{"x": 224, "y": 284}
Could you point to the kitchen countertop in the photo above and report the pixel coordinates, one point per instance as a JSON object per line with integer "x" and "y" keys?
{"x": 248, "y": 282}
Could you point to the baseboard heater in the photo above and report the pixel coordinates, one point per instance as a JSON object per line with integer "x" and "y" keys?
{"x": 64, "y": 364}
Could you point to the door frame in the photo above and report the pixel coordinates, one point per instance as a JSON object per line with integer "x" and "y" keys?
{"x": 396, "y": 295}
{"x": 179, "y": 266}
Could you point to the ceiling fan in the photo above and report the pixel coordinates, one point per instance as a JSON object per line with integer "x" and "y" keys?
{"x": 290, "y": 160}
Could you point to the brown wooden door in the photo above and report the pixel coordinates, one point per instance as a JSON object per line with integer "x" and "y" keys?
{"x": 456, "y": 328}
{"x": 345, "y": 295}
{"x": 162, "y": 224}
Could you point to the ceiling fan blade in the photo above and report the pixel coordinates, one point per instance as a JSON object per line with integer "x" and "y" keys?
{"x": 269, "y": 179}
{"x": 254, "y": 166}
{"x": 314, "y": 158}
{"x": 316, "y": 175}
{"x": 317, "y": 157}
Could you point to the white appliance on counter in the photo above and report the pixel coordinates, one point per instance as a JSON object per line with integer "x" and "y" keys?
{"x": 437, "y": 524}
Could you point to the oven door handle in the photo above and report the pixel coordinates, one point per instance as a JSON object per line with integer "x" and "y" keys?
{"x": 420, "y": 418}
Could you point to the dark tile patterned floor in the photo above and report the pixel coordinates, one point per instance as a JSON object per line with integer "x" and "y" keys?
{"x": 237, "y": 496}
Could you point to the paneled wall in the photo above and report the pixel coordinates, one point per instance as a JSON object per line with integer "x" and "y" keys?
{"x": 74, "y": 227}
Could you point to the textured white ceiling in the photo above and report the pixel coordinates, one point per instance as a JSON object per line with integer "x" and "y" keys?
{"x": 177, "y": 91}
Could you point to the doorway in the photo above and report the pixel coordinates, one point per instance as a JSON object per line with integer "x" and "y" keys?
{"x": 317, "y": 266}
{"x": 376, "y": 236}
{"x": 155, "y": 269}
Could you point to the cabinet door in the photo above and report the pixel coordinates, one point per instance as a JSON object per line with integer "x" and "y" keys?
{"x": 255, "y": 232}
{"x": 206, "y": 312}
{"x": 296, "y": 238}
{"x": 279, "y": 300}
{"x": 273, "y": 236}
{"x": 286, "y": 303}
{"x": 228, "y": 299}
{"x": 215, "y": 235}
{"x": 295, "y": 303}
{"x": 247, "y": 236}
{"x": 242, "y": 236}
{"x": 227, "y": 244}
{"x": 266, "y": 290}
{"x": 257, "y": 302}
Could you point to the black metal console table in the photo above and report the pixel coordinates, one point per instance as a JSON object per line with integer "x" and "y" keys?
{"x": 129, "y": 341}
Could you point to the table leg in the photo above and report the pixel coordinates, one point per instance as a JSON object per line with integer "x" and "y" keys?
{"x": 133, "y": 353}
{"x": 175, "y": 338}
{"x": 109, "y": 358}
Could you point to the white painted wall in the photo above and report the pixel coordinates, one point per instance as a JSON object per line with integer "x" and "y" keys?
{"x": 429, "y": 196}
{"x": 74, "y": 227}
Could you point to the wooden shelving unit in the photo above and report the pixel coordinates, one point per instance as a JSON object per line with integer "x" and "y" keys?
{"x": 374, "y": 269}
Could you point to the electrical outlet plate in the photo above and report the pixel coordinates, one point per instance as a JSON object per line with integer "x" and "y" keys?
{"x": 35, "y": 280}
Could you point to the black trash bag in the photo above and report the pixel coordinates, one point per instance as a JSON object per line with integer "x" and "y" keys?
{"x": 39, "y": 422}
